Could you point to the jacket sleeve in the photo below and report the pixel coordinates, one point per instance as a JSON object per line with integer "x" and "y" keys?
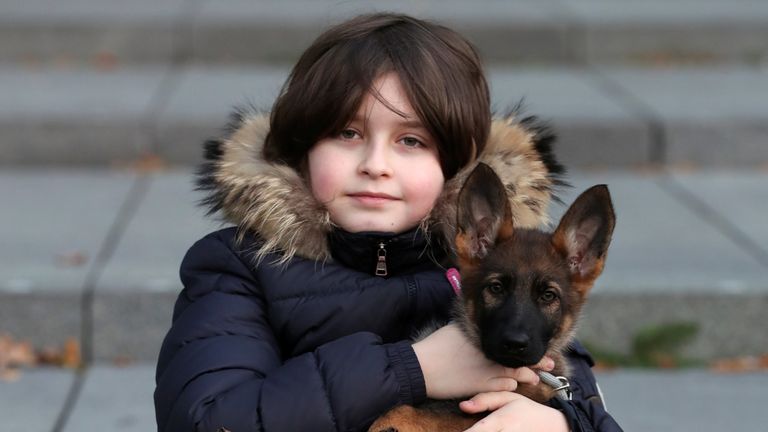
{"x": 585, "y": 412}
{"x": 220, "y": 365}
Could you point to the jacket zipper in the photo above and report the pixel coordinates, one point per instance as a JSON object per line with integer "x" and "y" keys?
{"x": 381, "y": 263}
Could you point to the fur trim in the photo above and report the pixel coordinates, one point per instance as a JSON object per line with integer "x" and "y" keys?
{"x": 270, "y": 200}
{"x": 520, "y": 152}
{"x": 274, "y": 202}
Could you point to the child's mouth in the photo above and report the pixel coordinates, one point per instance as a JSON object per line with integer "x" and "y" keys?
{"x": 372, "y": 199}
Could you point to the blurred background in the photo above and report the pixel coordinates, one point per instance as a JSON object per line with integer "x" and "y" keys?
{"x": 104, "y": 107}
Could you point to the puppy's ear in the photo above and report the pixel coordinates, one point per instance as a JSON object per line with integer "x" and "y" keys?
{"x": 584, "y": 234}
{"x": 484, "y": 215}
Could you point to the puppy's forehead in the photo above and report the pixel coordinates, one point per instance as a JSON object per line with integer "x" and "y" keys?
{"x": 530, "y": 252}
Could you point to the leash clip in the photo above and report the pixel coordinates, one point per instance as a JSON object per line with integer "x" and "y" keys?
{"x": 564, "y": 389}
{"x": 560, "y": 385}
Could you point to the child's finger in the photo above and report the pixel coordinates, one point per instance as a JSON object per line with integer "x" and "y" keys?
{"x": 488, "y": 401}
{"x": 545, "y": 364}
{"x": 500, "y": 384}
{"x": 522, "y": 375}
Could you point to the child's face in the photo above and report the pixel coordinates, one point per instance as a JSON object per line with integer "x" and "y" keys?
{"x": 382, "y": 172}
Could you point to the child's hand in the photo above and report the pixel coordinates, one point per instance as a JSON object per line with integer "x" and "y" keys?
{"x": 454, "y": 368}
{"x": 513, "y": 413}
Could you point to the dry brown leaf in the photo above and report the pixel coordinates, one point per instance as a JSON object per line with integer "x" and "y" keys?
{"x": 15, "y": 354}
{"x": 9, "y": 375}
{"x": 144, "y": 164}
{"x": 740, "y": 364}
{"x": 764, "y": 361}
{"x": 105, "y": 61}
{"x": 71, "y": 259}
{"x": 603, "y": 366}
{"x": 123, "y": 361}
{"x": 71, "y": 355}
{"x": 67, "y": 356}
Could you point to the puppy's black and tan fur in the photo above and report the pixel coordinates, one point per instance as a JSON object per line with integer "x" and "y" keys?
{"x": 522, "y": 289}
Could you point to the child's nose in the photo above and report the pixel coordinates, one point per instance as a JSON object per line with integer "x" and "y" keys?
{"x": 375, "y": 160}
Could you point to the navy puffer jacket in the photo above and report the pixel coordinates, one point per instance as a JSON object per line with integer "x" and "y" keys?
{"x": 282, "y": 325}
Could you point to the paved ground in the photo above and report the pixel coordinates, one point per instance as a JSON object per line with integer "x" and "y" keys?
{"x": 662, "y": 100}
{"x": 546, "y": 31}
{"x": 120, "y": 399}
{"x": 628, "y": 83}
{"x": 97, "y": 251}
{"x": 607, "y": 116}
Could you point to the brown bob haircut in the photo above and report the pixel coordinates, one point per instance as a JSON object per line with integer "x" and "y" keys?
{"x": 437, "y": 67}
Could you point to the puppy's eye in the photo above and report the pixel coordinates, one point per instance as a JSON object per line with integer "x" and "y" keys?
{"x": 548, "y": 296}
{"x": 495, "y": 288}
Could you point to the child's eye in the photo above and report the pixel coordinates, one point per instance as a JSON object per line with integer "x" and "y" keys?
{"x": 348, "y": 134}
{"x": 411, "y": 142}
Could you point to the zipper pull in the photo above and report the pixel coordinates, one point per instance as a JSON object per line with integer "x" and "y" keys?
{"x": 381, "y": 264}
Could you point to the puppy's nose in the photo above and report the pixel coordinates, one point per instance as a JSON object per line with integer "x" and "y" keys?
{"x": 515, "y": 342}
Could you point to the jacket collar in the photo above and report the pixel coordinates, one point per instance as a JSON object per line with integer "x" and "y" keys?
{"x": 384, "y": 253}
{"x": 274, "y": 202}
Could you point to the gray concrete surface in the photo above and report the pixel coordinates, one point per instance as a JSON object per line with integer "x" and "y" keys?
{"x": 693, "y": 400}
{"x": 659, "y": 31}
{"x": 78, "y": 116}
{"x": 120, "y": 399}
{"x": 518, "y": 31}
{"x": 663, "y": 245}
{"x": 714, "y": 192}
{"x": 715, "y": 116}
{"x": 77, "y": 32}
{"x": 671, "y": 259}
{"x": 93, "y": 253}
{"x": 553, "y": 31}
{"x": 54, "y": 225}
{"x": 595, "y": 126}
{"x": 139, "y": 285}
{"x": 34, "y": 401}
{"x": 606, "y": 117}
{"x": 114, "y": 399}
{"x": 185, "y": 122}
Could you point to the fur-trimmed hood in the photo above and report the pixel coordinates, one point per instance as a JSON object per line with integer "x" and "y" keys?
{"x": 274, "y": 202}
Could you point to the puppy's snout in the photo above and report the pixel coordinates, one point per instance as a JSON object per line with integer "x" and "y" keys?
{"x": 515, "y": 342}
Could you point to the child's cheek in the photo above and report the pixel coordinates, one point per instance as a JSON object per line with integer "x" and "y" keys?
{"x": 323, "y": 187}
{"x": 323, "y": 172}
{"x": 425, "y": 190}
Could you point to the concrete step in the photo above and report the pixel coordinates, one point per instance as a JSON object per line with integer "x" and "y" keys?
{"x": 94, "y": 255}
{"x": 606, "y": 117}
{"x": 247, "y": 31}
{"x": 640, "y": 400}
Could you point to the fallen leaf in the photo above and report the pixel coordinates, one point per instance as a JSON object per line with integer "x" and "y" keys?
{"x": 9, "y": 375}
{"x": 71, "y": 259}
{"x": 105, "y": 61}
{"x": 67, "y": 356}
{"x": 15, "y": 354}
{"x": 144, "y": 164}
{"x": 122, "y": 361}
{"x": 71, "y": 355}
{"x": 740, "y": 364}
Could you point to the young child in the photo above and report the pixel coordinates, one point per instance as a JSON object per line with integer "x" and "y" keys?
{"x": 299, "y": 318}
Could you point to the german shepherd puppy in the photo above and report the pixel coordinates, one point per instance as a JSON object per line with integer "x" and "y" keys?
{"x": 522, "y": 289}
